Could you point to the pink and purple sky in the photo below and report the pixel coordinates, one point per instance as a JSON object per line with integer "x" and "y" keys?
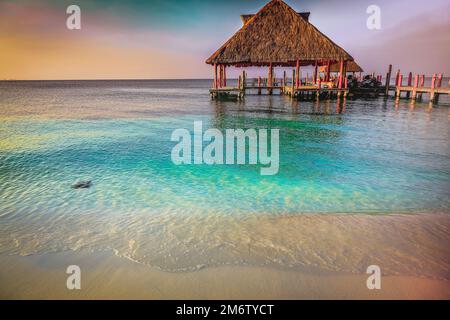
{"x": 138, "y": 39}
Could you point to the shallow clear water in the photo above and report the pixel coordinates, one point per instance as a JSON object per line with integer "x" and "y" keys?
{"x": 361, "y": 156}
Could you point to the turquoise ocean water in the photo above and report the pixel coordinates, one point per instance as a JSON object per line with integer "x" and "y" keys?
{"x": 360, "y": 156}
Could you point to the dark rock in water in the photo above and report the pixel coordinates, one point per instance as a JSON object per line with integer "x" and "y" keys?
{"x": 82, "y": 185}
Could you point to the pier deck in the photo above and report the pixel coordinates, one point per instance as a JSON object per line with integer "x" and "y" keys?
{"x": 294, "y": 92}
{"x": 412, "y": 92}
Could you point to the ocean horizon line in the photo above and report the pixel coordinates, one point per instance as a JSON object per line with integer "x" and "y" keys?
{"x": 110, "y": 79}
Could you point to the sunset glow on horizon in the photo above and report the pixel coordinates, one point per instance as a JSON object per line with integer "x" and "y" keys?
{"x": 172, "y": 39}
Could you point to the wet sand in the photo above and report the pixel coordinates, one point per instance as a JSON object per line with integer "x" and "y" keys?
{"x": 105, "y": 276}
{"x": 411, "y": 250}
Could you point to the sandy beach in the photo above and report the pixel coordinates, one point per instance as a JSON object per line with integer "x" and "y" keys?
{"x": 347, "y": 240}
{"x": 105, "y": 276}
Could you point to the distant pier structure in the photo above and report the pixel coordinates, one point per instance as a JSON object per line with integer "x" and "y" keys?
{"x": 415, "y": 86}
{"x": 278, "y": 36}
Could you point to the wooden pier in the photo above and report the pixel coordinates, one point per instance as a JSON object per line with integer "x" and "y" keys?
{"x": 284, "y": 86}
{"x": 415, "y": 90}
{"x": 277, "y": 23}
{"x": 305, "y": 89}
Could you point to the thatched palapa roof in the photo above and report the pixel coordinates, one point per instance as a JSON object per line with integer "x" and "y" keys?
{"x": 278, "y": 35}
{"x": 246, "y": 17}
{"x": 352, "y": 66}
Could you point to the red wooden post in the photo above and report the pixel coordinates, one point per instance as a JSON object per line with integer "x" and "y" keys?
{"x": 297, "y": 74}
{"x": 433, "y": 81}
{"x": 421, "y": 84}
{"x": 293, "y": 83}
{"x": 433, "y": 86}
{"x": 327, "y": 78}
{"x": 315, "y": 72}
{"x": 388, "y": 80}
{"x": 409, "y": 79}
{"x": 269, "y": 79}
{"x": 409, "y": 84}
{"x": 416, "y": 80}
{"x": 439, "y": 84}
{"x": 346, "y": 83}
{"x": 215, "y": 76}
{"x": 224, "y": 75}
{"x": 416, "y": 83}
{"x": 399, "y": 84}
{"x": 222, "y": 71}
{"x": 319, "y": 82}
{"x": 397, "y": 77}
{"x": 341, "y": 70}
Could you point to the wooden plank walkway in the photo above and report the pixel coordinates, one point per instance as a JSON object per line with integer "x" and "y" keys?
{"x": 308, "y": 91}
{"x": 294, "y": 92}
{"x": 424, "y": 90}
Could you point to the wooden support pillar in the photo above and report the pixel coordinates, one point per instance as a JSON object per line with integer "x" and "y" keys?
{"x": 284, "y": 78}
{"x": 293, "y": 83}
{"x": 270, "y": 79}
{"x": 259, "y": 85}
{"x": 399, "y": 84}
{"x": 422, "y": 83}
{"x": 396, "y": 77}
{"x": 416, "y": 83}
{"x": 269, "y": 76}
{"x": 409, "y": 84}
{"x": 410, "y": 79}
{"x": 388, "y": 80}
{"x": 215, "y": 85}
{"x": 433, "y": 86}
{"x": 319, "y": 84}
{"x": 438, "y": 85}
{"x": 315, "y": 72}
{"x": 224, "y": 75}
{"x": 327, "y": 77}
{"x": 341, "y": 70}
{"x": 297, "y": 72}
{"x": 345, "y": 69}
